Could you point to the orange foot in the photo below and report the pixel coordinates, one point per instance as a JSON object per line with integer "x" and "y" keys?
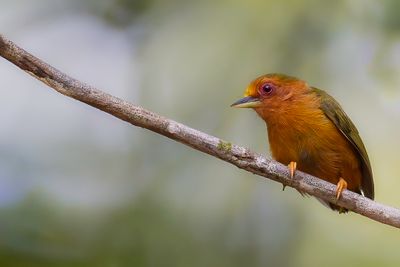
{"x": 341, "y": 185}
{"x": 292, "y": 169}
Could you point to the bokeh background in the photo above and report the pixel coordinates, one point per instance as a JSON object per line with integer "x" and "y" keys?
{"x": 81, "y": 188}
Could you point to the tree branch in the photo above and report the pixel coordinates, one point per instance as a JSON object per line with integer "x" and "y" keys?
{"x": 236, "y": 155}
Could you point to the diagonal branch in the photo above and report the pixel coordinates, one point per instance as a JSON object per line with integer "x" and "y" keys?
{"x": 236, "y": 155}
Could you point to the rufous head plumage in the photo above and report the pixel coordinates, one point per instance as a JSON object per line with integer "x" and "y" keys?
{"x": 272, "y": 93}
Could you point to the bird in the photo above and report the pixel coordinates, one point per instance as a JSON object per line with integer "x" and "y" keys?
{"x": 309, "y": 131}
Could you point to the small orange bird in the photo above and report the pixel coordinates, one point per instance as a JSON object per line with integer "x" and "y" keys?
{"x": 309, "y": 131}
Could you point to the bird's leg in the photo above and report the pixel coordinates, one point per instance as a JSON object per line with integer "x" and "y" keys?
{"x": 292, "y": 169}
{"x": 341, "y": 185}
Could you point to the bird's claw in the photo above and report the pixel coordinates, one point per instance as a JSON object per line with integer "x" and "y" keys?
{"x": 292, "y": 170}
{"x": 341, "y": 185}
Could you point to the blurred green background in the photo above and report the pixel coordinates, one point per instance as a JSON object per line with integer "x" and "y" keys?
{"x": 80, "y": 188}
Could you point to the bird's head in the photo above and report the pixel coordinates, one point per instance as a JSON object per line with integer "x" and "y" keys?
{"x": 271, "y": 93}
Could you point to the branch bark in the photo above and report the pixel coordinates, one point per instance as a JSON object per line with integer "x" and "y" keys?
{"x": 234, "y": 154}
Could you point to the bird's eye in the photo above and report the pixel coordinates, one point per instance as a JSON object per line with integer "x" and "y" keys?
{"x": 267, "y": 88}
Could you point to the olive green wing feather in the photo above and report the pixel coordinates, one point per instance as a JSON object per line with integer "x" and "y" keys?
{"x": 335, "y": 113}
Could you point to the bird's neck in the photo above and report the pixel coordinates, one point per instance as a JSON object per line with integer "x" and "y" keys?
{"x": 297, "y": 112}
{"x": 293, "y": 122}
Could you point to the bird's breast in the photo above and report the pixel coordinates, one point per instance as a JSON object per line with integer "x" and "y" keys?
{"x": 315, "y": 143}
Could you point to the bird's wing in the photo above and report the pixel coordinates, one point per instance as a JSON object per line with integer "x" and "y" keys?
{"x": 335, "y": 113}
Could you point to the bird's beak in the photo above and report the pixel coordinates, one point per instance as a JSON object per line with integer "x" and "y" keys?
{"x": 247, "y": 102}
